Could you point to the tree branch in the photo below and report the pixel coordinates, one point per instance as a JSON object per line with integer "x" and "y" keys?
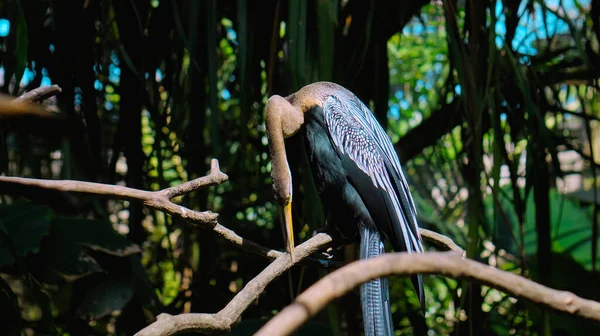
{"x": 161, "y": 200}
{"x": 40, "y": 94}
{"x": 223, "y": 320}
{"x": 441, "y": 241}
{"x": 26, "y": 104}
{"x": 450, "y": 264}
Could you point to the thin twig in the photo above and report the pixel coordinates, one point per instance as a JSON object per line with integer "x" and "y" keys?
{"x": 450, "y": 264}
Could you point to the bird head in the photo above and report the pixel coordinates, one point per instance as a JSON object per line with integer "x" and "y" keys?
{"x": 283, "y": 120}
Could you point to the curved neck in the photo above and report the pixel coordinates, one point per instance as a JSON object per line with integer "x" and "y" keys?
{"x": 280, "y": 171}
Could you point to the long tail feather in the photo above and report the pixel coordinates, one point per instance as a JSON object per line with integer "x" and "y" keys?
{"x": 375, "y": 294}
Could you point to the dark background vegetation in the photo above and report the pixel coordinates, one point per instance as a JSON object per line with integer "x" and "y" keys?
{"x": 492, "y": 105}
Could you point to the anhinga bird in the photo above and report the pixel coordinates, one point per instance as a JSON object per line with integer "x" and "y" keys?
{"x": 358, "y": 176}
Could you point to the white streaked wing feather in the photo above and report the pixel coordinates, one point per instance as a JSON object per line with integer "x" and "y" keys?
{"x": 355, "y": 132}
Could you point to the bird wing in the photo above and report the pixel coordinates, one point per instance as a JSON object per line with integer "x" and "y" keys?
{"x": 355, "y": 132}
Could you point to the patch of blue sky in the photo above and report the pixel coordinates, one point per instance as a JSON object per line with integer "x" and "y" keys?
{"x": 420, "y": 85}
{"x": 429, "y": 85}
{"x": 114, "y": 73}
{"x": 399, "y": 94}
{"x": 114, "y": 58}
{"x": 458, "y": 89}
{"x": 97, "y": 68}
{"x": 98, "y": 85}
{"x": 46, "y": 81}
{"x": 4, "y": 27}
{"x": 414, "y": 29}
{"x": 232, "y": 36}
{"x": 394, "y": 111}
{"x": 114, "y": 70}
{"x": 28, "y": 76}
{"x": 225, "y": 94}
{"x": 78, "y": 96}
{"x": 538, "y": 24}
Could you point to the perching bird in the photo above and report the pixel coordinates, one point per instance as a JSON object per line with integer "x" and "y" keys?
{"x": 358, "y": 176}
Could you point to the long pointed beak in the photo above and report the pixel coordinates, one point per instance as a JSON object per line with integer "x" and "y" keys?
{"x": 289, "y": 228}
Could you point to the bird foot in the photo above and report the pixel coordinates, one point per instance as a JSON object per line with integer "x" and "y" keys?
{"x": 328, "y": 253}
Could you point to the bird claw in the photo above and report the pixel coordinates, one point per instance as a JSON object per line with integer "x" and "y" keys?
{"x": 327, "y": 253}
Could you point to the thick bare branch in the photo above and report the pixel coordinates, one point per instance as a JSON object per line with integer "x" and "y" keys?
{"x": 451, "y": 264}
{"x": 224, "y": 319}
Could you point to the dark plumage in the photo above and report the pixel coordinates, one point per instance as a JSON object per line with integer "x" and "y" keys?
{"x": 360, "y": 181}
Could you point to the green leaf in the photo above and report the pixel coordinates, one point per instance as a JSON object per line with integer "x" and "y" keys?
{"x": 69, "y": 260}
{"x": 25, "y": 225}
{"x": 107, "y": 296}
{"x": 571, "y": 226}
{"x": 296, "y": 30}
{"x": 70, "y": 241}
{"x": 327, "y": 16}
{"x": 171, "y": 283}
{"x": 95, "y": 234}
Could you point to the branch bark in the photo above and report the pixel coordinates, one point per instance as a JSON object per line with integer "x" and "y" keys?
{"x": 39, "y": 94}
{"x": 26, "y": 104}
{"x": 161, "y": 200}
{"x": 167, "y": 325}
{"x": 450, "y": 264}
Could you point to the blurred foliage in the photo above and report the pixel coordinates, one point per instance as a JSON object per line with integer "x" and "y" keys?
{"x": 492, "y": 105}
